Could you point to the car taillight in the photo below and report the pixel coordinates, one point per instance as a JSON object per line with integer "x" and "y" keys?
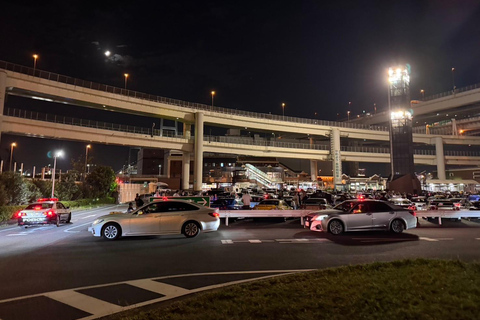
{"x": 215, "y": 213}
{"x": 49, "y": 213}
{"x": 20, "y": 214}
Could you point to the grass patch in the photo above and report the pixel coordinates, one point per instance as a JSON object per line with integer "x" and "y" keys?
{"x": 407, "y": 289}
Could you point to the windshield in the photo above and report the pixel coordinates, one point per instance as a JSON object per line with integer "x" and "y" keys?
{"x": 39, "y": 206}
{"x": 345, "y": 206}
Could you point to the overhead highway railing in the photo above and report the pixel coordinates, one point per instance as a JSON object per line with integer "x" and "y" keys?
{"x": 40, "y": 116}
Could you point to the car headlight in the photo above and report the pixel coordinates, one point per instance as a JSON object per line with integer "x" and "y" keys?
{"x": 97, "y": 221}
{"x": 321, "y": 217}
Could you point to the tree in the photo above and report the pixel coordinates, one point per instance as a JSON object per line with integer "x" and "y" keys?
{"x": 67, "y": 189}
{"x": 100, "y": 180}
{"x": 16, "y": 191}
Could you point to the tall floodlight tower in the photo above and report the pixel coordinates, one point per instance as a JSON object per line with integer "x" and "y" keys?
{"x": 402, "y": 178}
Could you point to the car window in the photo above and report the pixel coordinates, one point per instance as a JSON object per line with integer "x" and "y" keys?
{"x": 361, "y": 207}
{"x": 380, "y": 207}
{"x": 39, "y": 206}
{"x": 345, "y": 206}
{"x": 60, "y": 206}
{"x": 177, "y": 206}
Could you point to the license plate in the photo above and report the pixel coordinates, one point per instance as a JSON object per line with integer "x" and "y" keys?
{"x": 34, "y": 219}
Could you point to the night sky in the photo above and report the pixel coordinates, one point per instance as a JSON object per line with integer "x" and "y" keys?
{"x": 312, "y": 55}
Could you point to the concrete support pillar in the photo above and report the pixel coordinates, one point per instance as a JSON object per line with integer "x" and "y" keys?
{"x": 3, "y": 86}
{"x": 186, "y": 171}
{"x": 313, "y": 170}
{"x": 187, "y": 130}
{"x": 336, "y": 156}
{"x": 166, "y": 163}
{"x": 198, "y": 169}
{"x": 440, "y": 157}
{"x": 454, "y": 127}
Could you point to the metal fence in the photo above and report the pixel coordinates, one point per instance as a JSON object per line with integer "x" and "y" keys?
{"x": 198, "y": 106}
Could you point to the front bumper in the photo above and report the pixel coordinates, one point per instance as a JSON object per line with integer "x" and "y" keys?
{"x": 314, "y": 225}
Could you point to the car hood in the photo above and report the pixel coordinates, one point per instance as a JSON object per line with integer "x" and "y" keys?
{"x": 325, "y": 212}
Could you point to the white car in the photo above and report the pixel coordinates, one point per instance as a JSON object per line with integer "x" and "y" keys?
{"x": 158, "y": 218}
{"x": 362, "y": 215}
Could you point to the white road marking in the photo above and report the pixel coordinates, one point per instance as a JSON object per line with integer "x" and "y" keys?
{"x": 80, "y": 225}
{"x": 89, "y": 216}
{"x": 428, "y": 239}
{"x": 255, "y": 241}
{"x": 477, "y": 238}
{"x": 227, "y": 242}
{"x": 16, "y": 234}
{"x": 8, "y": 229}
{"x": 441, "y": 239}
{"x": 158, "y": 287}
{"x": 84, "y": 302}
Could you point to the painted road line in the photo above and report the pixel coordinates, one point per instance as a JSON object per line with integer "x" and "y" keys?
{"x": 428, "y": 239}
{"x": 477, "y": 238}
{"x": 158, "y": 287}
{"x": 80, "y": 225}
{"x": 89, "y": 216}
{"x": 227, "y": 242}
{"x": 84, "y": 302}
{"x": 255, "y": 241}
{"x": 443, "y": 239}
{"x": 9, "y": 229}
{"x": 16, "y": 234}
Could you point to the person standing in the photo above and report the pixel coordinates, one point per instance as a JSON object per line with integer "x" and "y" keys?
{"x": 246, "y": 199}
{"x": 138, "y": 201}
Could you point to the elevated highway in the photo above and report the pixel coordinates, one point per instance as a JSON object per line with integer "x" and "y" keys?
{"x": 20, "y": 81}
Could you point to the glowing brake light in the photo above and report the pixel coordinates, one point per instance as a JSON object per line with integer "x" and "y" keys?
{"x": 47, "y": 199}
{"x": 20, "y": 214}
{"x": 215, "y": 213}
{"x": 37, "y": 208}
{"x": 49, "y": 213}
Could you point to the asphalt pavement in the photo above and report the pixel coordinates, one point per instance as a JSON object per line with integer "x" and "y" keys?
{"x": 70, "y": 274}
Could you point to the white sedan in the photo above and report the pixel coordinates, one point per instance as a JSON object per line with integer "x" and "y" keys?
{"x": 362, "y": 215}
{"x": 158, "y": 218}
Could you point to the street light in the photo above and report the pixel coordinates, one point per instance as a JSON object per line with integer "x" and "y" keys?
{"x": 35, "y": 57}
{"x": 126, "y": 77}
{"x": 11, "y": 155}
{"x": 88, "y": 146}
{"x": 213, "y": 94}
{"x": 453, "y": 79}
{"x": 57, "y": 154}
{"x": 283, "y": 109}
{"x": 423, "y": 94}
{"x": 348, "y": 115}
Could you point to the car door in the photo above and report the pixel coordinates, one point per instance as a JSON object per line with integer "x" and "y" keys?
{"x": 61, "y": 211}
{"x": 382, "y": 214}
{"x": 359, "y": 217}
{"x": 146, "y": 220}
{"x": 174, "y": 214}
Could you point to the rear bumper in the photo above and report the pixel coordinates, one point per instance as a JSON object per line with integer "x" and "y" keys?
{"x": 35, "y": 221}
{"x": 211, "y": 225}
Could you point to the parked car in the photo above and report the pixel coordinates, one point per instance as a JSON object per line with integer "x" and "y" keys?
{"x": 44, "y": 211}
{"x": 420, "y": 203}
{"x": 272, "y": 204}
{"x": 443, "y": 204}
{"x": 227, "y": 204}
{"x": 401, "y": 202}
{"x": 362, "y": 215}
{"x": 158, "y": 218}
{"x": 316, "y": 204}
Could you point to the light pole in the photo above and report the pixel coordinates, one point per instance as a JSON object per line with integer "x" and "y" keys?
{"x": 35, "y": 57}
{"x": 453, "y": 79}
{"x": 126, "y": 77}
{"x": 348, "y": 115}
{"x": 423, "y": 94}
{"x": 57, "y": 154}
{"x": 86, "y": 158}
{"x": 213, "y": 94}
{"x": 13, "y": 145}
{"x": 283, "y": 109}
{"x": 375, "y": 108}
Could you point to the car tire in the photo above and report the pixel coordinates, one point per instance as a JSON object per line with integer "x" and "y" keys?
{"x": 69, "y": 217}
{"x": 397, "y": 226}
{"x": 57, "y": 220}
{"x": 111, "y": 231}
{"x": 335, "y": 227}
{"x": 191, "y": 229}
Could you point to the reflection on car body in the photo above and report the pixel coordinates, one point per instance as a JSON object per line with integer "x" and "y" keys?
{"x": 272, "y": 204}
{"x": 361, "y": 215}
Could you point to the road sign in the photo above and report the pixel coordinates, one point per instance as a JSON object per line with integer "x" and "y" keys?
{"x": 204, "y": 201}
